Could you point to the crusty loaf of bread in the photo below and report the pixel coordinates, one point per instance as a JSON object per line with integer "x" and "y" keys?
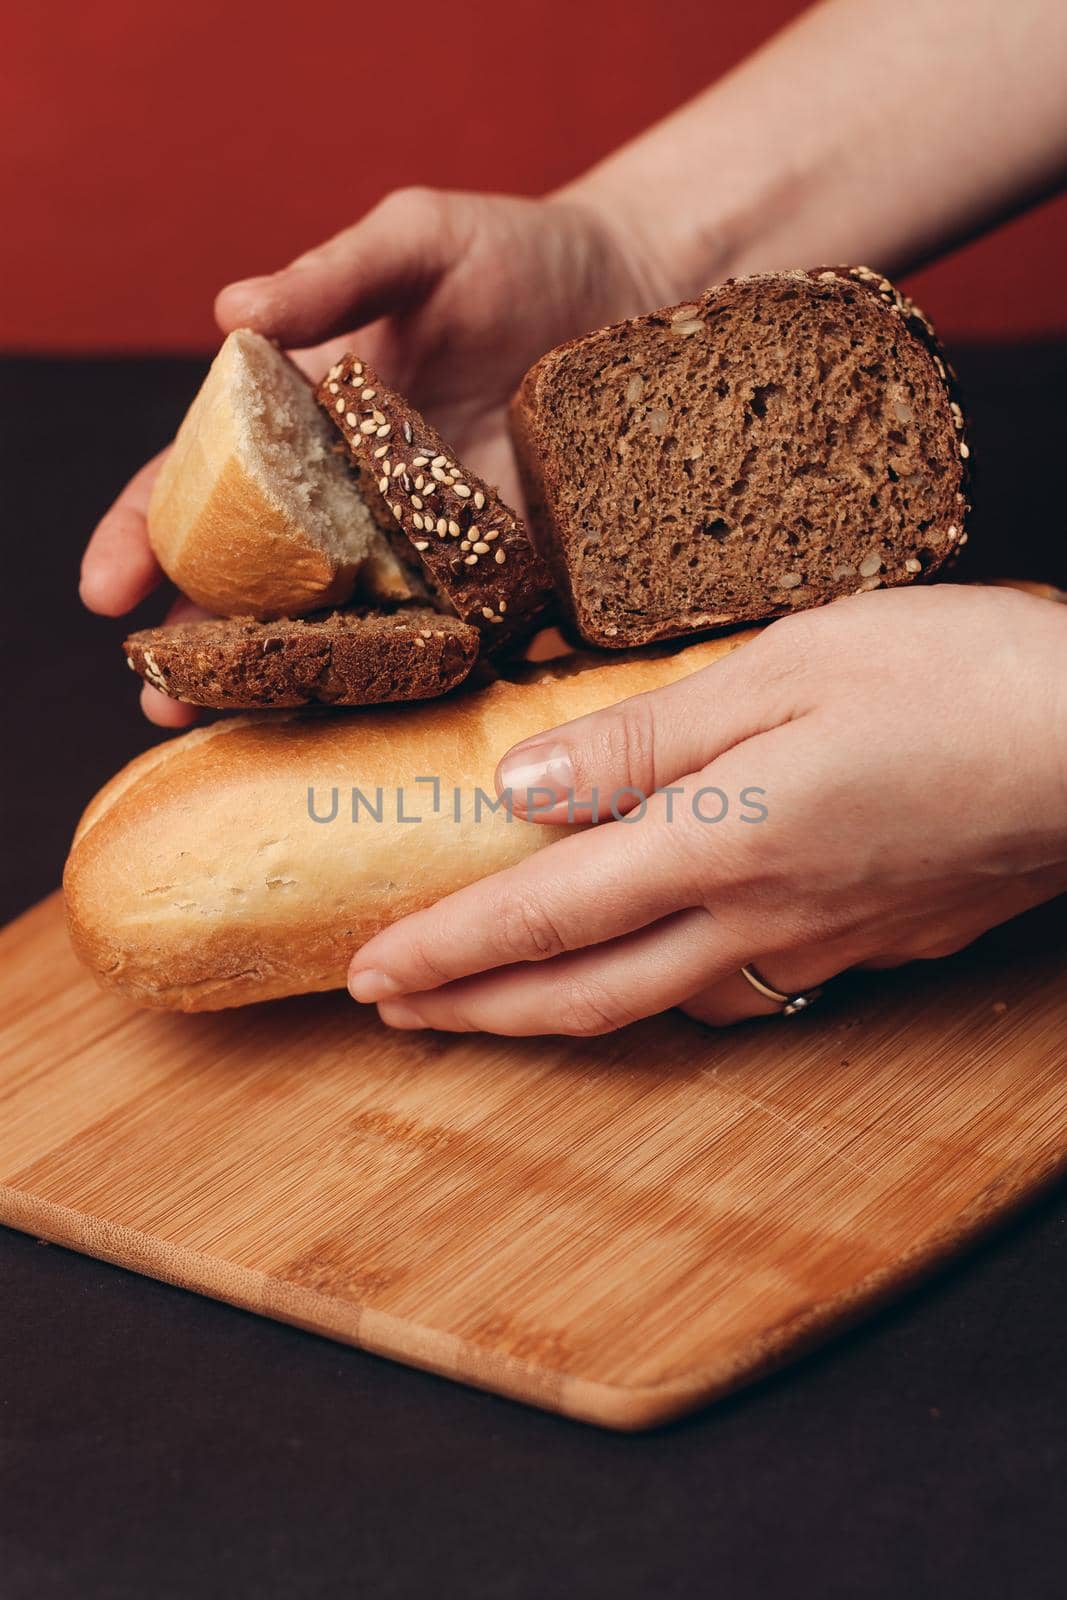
{"x": 255, "y": 512}
{"x": 337, "y": 658}
{"x": 250, "y": 859}
{"x": 474, "y": 549}
{"x": 785, "y": 440}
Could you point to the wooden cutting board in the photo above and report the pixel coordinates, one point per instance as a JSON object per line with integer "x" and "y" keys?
{"x": 618, "y": 1229}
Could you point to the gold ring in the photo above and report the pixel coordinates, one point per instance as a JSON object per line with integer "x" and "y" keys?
{"x": 791, "y": 1004}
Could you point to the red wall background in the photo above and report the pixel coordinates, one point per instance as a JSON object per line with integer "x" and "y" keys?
{"x": 150, "y": 153}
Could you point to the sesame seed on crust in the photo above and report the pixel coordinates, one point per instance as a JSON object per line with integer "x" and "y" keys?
{"x": 406, "y": 492}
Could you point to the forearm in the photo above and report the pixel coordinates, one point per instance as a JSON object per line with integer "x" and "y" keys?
{"x": 863, "y": 132}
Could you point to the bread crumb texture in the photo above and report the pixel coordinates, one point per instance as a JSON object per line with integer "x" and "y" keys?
{"x": 786, "y": 440}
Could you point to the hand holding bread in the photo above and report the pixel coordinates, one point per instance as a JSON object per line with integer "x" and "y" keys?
{"x": 706, "y": 464}
{"x": 863, "y": 784}
{"x": 680, "y": 476}
{"x": 453, "y": 296}
{"x": 747, "y": 453}
{"x": 247, "y": 860}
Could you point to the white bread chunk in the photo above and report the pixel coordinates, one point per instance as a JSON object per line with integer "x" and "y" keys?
{"x": 255, "y": 513}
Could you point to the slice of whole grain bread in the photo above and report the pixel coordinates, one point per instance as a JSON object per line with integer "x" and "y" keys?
{"x": 340, "y": 658}
{"x": 473, "y": 549}
{"x": 787, "y": 439}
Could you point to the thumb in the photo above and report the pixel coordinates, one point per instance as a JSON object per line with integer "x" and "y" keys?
{"x": 381, "y": 265}
{"x": 583, "y": 770}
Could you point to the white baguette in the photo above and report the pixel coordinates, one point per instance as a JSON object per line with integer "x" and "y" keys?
{"x": 197, "y": 878}
{"x": 254, "y": 512}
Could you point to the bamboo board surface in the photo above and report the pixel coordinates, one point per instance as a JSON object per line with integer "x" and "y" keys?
{"x": 617, "y": 1229}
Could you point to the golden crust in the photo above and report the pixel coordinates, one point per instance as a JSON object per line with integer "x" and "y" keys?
{"x": 238, "y": 553}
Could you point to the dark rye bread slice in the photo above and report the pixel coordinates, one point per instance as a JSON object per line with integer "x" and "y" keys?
{"x": 474, "y": 551}
{"x": 339, "y": 658}
{"x": 785, "y": 440}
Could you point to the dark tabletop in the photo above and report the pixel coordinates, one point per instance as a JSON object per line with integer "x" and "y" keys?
{"x": 156, "y": 1444}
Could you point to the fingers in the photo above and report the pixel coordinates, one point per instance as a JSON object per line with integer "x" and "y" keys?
{"x": 582, "y": 890}
{"x": 315, "y": 360}
{"x": 599, "y": 884}
{"x": 388, "y": 261}
{"x": 629, "y": 750}
{"x": 583, "y": 994}
{"x": 894, "y": 940}
{"x": 165, "y": 712}
{"x": 733, "y": 999}
{"x": 377, "y": 343}
{"x": 118, "y": 568}
{"x": 158, "y": 707}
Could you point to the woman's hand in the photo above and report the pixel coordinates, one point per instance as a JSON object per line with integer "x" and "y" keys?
{"x": 910, "y": 750}
{"x": 451, "y": 297}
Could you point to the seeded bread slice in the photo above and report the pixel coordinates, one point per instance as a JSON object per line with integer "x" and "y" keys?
{"x": 475, "y": 551}
{"x": 343, "y": 658}
{"x": 787, "y": 439}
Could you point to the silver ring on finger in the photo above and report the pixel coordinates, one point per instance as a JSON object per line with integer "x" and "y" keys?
{"x": 791, "y": 1005}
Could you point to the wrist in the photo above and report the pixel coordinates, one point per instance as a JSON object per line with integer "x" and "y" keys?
{"x": 674, "y": 252}
{"x": 691, "y": 224}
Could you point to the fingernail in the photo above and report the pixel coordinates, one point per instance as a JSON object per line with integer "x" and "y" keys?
{"x": 535, "y": 774}
{"x": 398, "y": 1014}
{"x": 370, "y": 986}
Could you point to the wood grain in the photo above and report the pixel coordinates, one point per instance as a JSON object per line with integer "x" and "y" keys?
{"x": 618, "y": 1229}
